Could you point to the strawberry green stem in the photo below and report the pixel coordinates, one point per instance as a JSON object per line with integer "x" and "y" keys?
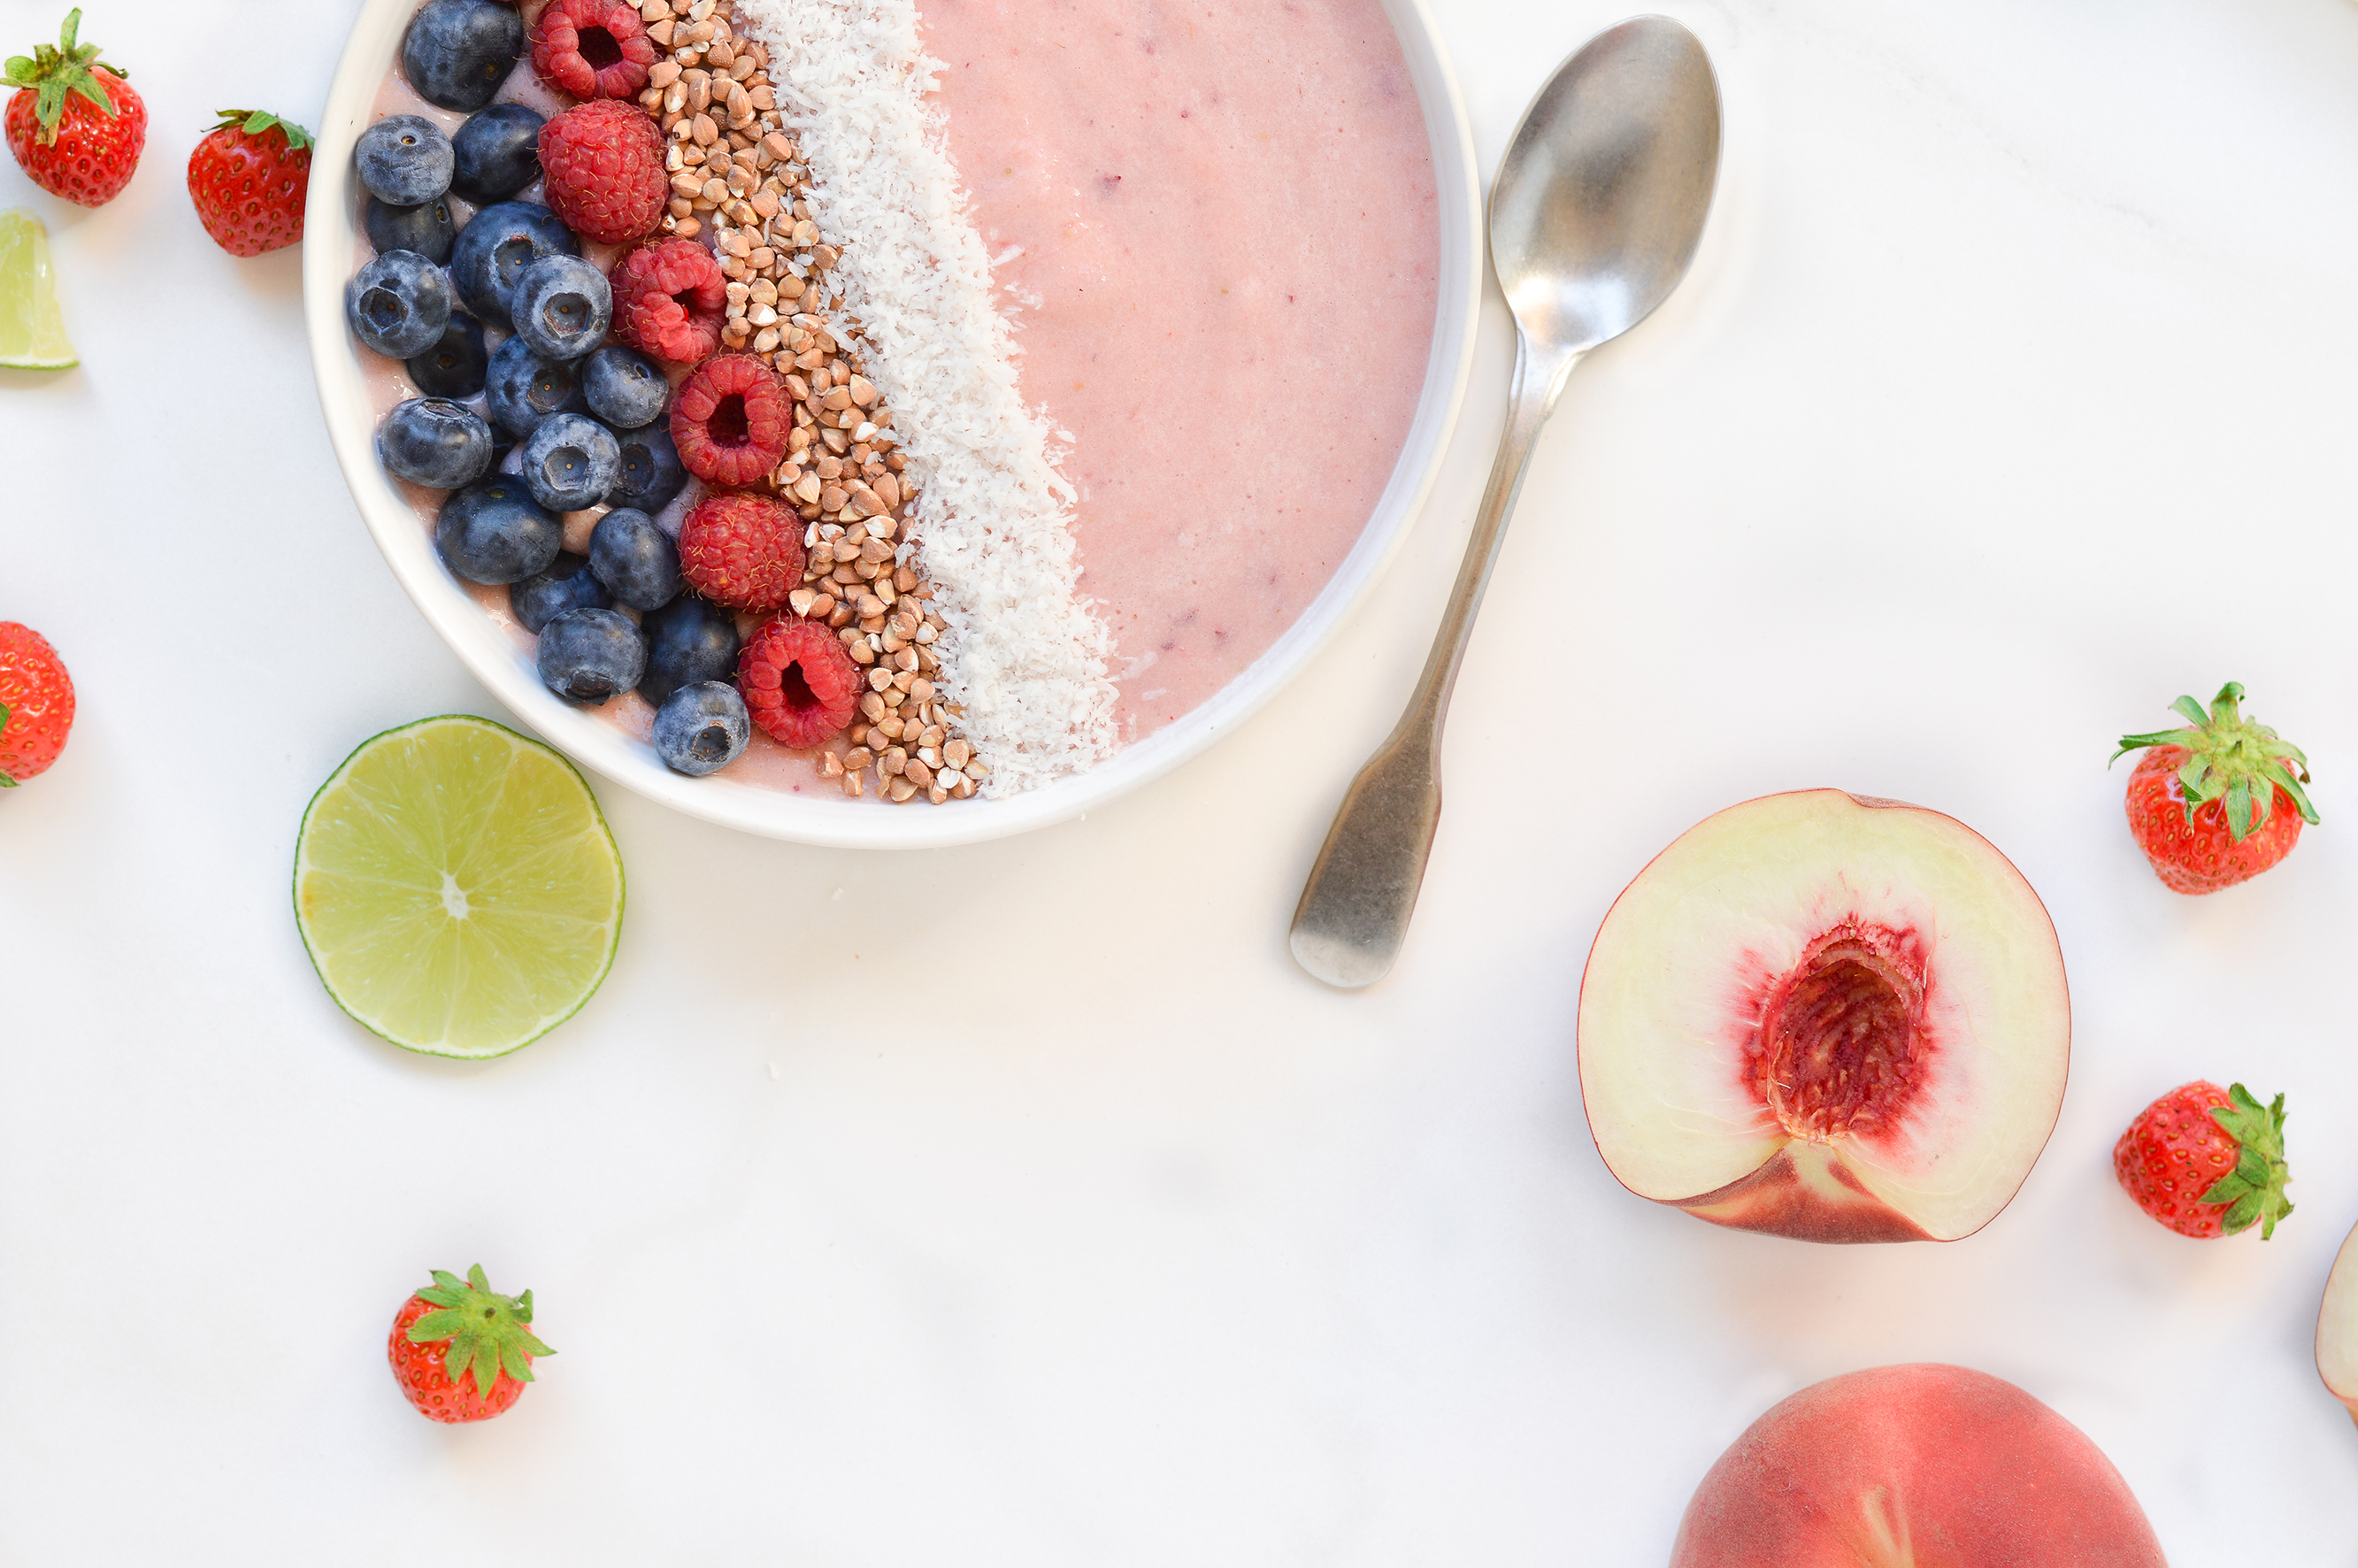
{"x": 2230, "y": 758}
{"x": 5, "y": 782}
{"x": 254, "y": 122}
{"x": 52, "y": 73}
{"x": 2253, "y": 1190}
{"x": 489, "y": 1334}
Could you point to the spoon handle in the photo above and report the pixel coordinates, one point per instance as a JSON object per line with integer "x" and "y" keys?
{"x": 1355, "y": 908}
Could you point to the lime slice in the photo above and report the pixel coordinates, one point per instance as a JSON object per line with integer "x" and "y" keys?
{"x": 457, "y": 887}
{"x": 32, "y": 334}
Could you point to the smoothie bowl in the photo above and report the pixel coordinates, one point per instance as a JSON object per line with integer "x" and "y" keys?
{"x": 1034, "y": 387}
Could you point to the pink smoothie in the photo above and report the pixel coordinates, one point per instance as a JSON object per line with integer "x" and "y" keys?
{"x": 1229, "y": 244}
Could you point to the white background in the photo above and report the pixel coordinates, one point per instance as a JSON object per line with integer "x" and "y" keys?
{"x": 1024, "y": 1204}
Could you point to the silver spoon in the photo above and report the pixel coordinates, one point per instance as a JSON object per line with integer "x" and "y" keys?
{"x": 1593, "y": 218}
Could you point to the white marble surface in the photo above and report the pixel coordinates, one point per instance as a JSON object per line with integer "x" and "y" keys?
{"x": 1023, "y": 1203}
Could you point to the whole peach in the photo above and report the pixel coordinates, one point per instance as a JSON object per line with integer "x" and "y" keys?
{"x": 1913, "y": 1465}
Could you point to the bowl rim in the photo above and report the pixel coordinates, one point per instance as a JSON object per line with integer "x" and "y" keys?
{"x": 488, "y": 653}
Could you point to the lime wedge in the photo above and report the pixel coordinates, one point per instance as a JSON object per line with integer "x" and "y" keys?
{"x": 32, "y": 334}
{"x": 457, "y": 888}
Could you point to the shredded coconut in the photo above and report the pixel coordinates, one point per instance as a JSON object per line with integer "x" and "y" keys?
{"x": 1024, "y": 654}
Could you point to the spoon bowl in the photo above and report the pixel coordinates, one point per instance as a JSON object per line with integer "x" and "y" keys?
{"x": 1596, "y": 211}
{"x": 1599, "y": 203}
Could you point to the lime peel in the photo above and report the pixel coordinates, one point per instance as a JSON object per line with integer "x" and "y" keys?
{"x": 457, "y": 888}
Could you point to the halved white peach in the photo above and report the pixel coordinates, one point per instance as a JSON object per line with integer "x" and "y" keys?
{"x": 1829, "y": 1017}
{"x": 2337, "y": 1328}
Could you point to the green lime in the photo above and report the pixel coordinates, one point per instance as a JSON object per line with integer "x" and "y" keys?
{"x": 32, "y": 334}
{"x": 457, "y": 887}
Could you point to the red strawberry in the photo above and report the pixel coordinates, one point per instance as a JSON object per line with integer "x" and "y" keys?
{"x": 2206, "y": 1161}
{"x": 593, "y": 49}
{"x": 36, "y": 704}
{"x": 76, "y": 131}
{"x": 671, "y": 300}
{"x": 248, "y": 176}
{"x": 2215, "y": 804}
{"x": 454, "y": 1327}
{"x": 731, "y": 419}
{"x": 743, "y": 551}
{"x": 602, "y": 164}
{"x": 798, "y": 683}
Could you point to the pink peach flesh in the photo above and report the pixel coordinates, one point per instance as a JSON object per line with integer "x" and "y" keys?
{"x": 1828, "y": 1017}
{"x": 1910, "y": 1466}
{"x": 2337, "y": 1328}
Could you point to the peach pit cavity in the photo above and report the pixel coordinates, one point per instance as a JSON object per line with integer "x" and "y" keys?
{"x": 1842, "y": 1048}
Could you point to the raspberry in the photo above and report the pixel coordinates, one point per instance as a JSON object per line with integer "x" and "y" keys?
{"x": 730, "y": 420}
{"x": 593, "y": 49}
{"x": 798, "y": 683}
{"x": 743, "y": 551}
{"x": 37, "y": 698}
{"x": 603, "y": 165}
{"x": 671, "y": 301}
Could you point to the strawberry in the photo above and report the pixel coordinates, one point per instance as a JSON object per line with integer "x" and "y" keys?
{"x": 248, "y": 178}
{"x": 76, "y": 132}
{"x": 455, "y": 1327}
{"x": 2206, "y": 1161}
{"x": 2217, "y": 803}
{"x": 36, "y": 704}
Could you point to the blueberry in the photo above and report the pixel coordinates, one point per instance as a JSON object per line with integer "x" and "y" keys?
{"x": 398, "y": 304}
{"x": 499, "y": 242}
{"x": 569, "y": 462}
{"x": 702, "y": 729}
{"x": 404, "y": 159}
{"x": 567, "y": 584}
{"x": 457, "y": 52}
{"x": 493, "y": 532}
{"x": 425, "y": 228}
{"x": 433, "y": 441}
{"x": 497, "y": 153}
{"x": 562, "y": 307}
{"x": 454, "y": 366}
{"x": 651, "y": 473}
{"x": 689, "y": 640}
{"x": 625, "y": 388}
{"x": 587, "y": 656}
{"x": 637, "y": 560}
{"x": 523, "y": 389}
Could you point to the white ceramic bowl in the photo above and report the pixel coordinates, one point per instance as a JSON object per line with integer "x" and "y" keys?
{"x": 330, "y": 259}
